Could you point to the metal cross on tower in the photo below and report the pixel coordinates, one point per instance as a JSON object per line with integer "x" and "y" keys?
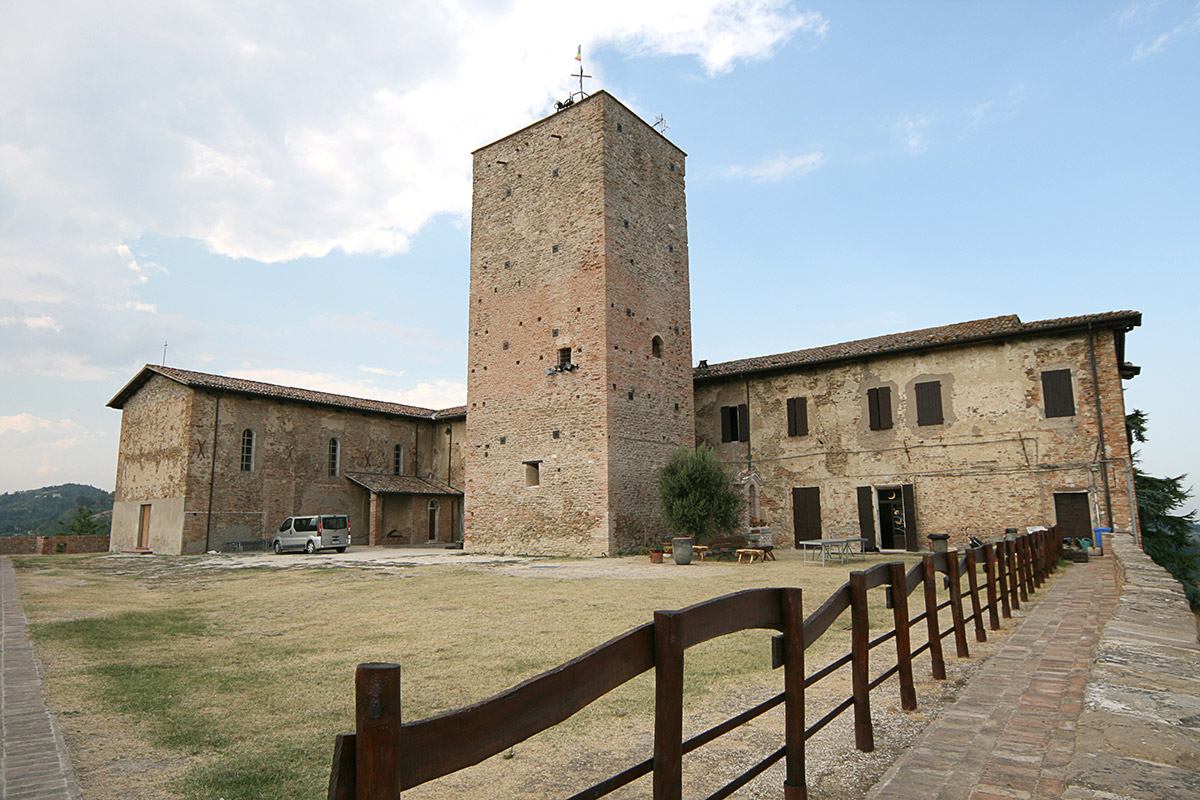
{"x": 581, "y": 77}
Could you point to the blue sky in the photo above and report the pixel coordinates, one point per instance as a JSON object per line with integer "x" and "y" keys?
{"x": 282, "y": 192}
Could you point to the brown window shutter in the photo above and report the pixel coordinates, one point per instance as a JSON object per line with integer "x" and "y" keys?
{"x": 743, "y": 423}
{"x": 802, "y": 416}
{"x": 929, "y": 403}
{"x": 879, "y": 408}
{"x": 1058, "y": 395}
{"x": 726, "y": 424}
{"x": 791, "y": 416}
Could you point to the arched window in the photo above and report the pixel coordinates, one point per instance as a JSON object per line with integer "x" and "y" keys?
{"x": 247, "y": 450}
{"x": 333, "y": 458}
{"x": 656, "y": 347}
{"x": 398, "y": 460}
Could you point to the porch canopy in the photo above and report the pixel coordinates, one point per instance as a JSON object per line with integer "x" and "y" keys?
{"x": 381, "y": 485}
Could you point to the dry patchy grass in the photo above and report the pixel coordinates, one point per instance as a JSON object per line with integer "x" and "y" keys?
{"x": 177, "y": 680}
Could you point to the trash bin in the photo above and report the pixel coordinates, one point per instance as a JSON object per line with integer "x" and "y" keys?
{"x": 1098, "y": 538}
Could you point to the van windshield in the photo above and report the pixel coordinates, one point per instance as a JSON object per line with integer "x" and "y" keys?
{"x": 305, "y": 524}
{"x": 333, "y": 523}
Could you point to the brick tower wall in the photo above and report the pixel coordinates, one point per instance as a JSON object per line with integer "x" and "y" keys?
{"x": 550, "y": 203}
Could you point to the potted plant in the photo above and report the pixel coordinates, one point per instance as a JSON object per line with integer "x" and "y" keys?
{"x": 699, "y": 498}
{"x": 655, "y": 555}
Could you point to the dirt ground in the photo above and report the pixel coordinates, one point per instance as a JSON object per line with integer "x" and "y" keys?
{"x": 271, "y": 674}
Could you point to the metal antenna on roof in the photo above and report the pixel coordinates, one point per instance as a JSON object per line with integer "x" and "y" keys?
{"x": 164, "y": 354}
{"x": 661, "y": 125}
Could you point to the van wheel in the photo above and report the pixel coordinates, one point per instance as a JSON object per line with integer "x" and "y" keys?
{"x": 310, "y": 548}
{"x": 277, "y": 547}
{"x": 341, "y": 549}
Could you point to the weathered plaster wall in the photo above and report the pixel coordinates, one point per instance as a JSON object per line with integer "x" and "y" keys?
{"x": 995, "y": 461}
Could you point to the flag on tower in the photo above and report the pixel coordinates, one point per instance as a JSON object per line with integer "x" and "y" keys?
{"x": 579, "y": 54}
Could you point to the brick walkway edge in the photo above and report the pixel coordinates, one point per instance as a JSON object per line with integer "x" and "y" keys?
{"x": 1093, "y": 697}
{"x": 34, "y": 764}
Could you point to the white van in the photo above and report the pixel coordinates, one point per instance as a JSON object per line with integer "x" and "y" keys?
{"x": 310, "y": 534}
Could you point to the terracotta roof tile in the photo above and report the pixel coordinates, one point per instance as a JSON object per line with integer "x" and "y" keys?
{"x": 943, "y": 336}
{"x": 401, "y": 484}
{"x": 222, "y": 383}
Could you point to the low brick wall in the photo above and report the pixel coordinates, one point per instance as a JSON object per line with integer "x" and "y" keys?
{"x": 1139, "y": 733}
{"x": 49, "y": 545}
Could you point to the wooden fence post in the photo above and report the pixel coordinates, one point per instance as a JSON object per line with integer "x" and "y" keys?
{"x": 956, "y": 609}
{"x": 908, "y": 694}
{"x": 1002, "y": 579}
{"x": 1023, "y": 582}
{"x": 860, "y": 670}
{"x": 1014, "y": 569}
{"x": 931, "y": 620}
{"x": 377, "y": 731}
{"x": 795, "y": 784}
{"x": 1036, "y": 562}
{"x": 973, "y": 588}
{"x": 668, "y": 706}
{"x": 989, "y": 574}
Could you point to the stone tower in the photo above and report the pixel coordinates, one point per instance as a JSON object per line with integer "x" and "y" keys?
{"x": 579, "y": 378}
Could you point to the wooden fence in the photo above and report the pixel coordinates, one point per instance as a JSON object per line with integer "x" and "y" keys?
{"x": 385, "y": 756}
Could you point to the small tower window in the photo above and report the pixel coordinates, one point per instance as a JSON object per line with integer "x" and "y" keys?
{"x": 333, "y": 458}
{"x": 564, "y": 358}
{"x": 398, "y": 460}
{"x": 533, "y": 473}
{"x": 247, "y": 450}
{"x": 656, "y": 347}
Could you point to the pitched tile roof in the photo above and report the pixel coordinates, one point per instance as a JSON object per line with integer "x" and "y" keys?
{"x": 401, "y": 484}
{"x": 1007, "y": 326}
{"x": 222, "y": 383}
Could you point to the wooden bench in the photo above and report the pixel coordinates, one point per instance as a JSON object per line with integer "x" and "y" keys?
{"x": 727, "y": 548}
{"x": 749, "y": 554}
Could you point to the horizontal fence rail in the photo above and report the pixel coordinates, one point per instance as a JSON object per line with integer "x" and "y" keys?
{"x": 385, "y": 756}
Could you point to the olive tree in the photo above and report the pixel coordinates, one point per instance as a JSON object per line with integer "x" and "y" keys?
{"x": 698, "y": 495}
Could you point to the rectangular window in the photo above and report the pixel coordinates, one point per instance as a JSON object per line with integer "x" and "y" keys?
{"x": 797, "y": 416}
{"x": 879, "y": 408}
{"x": 735, "y": 423}
{"x": 929, "y": 403}
{"x": 247, "y": 450}
{"x": 564, "y": 358}
{"x": 1059, "y": 397}
{"x": 533, "y": 473}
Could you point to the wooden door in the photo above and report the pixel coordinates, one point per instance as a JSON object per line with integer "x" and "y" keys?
{"x": 806, "y": 512}
{"x": 143, "y": 537}
{"x": 433, "y": 515}
{"x": 1074, "y": 514}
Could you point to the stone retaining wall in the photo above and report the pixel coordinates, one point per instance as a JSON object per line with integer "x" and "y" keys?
{"x": 1139, "y": 733}
{"x": 49, "y": 545}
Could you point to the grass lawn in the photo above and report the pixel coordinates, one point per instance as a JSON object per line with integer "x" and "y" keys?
{"x": 176, "y": 677}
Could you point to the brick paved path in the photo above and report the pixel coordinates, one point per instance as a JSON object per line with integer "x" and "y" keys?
{"x": 1011, "y": 733}
{"x": 34, "y": 764}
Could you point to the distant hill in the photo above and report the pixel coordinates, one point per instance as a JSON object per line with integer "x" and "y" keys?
{"x": 38, "y": 511}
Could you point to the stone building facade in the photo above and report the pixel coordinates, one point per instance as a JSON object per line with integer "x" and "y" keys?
{"x": 279, "y": 452}
{"x": 580, "y": 385}
{"x": 579, "y": 378}
{"x": 965, "y": 429}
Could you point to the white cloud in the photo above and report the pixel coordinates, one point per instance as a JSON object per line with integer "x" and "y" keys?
{"x": 272, "y": 131}
{"x": 37, "y": 449}
{"x": 434, "y": 395}
{"x": 1158, "y": 44}
{"x": 381, "y": 371}
{"x": 42, "y": 322}
{"x": 778, "y": 168}
{"x": 912, "y": 127}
